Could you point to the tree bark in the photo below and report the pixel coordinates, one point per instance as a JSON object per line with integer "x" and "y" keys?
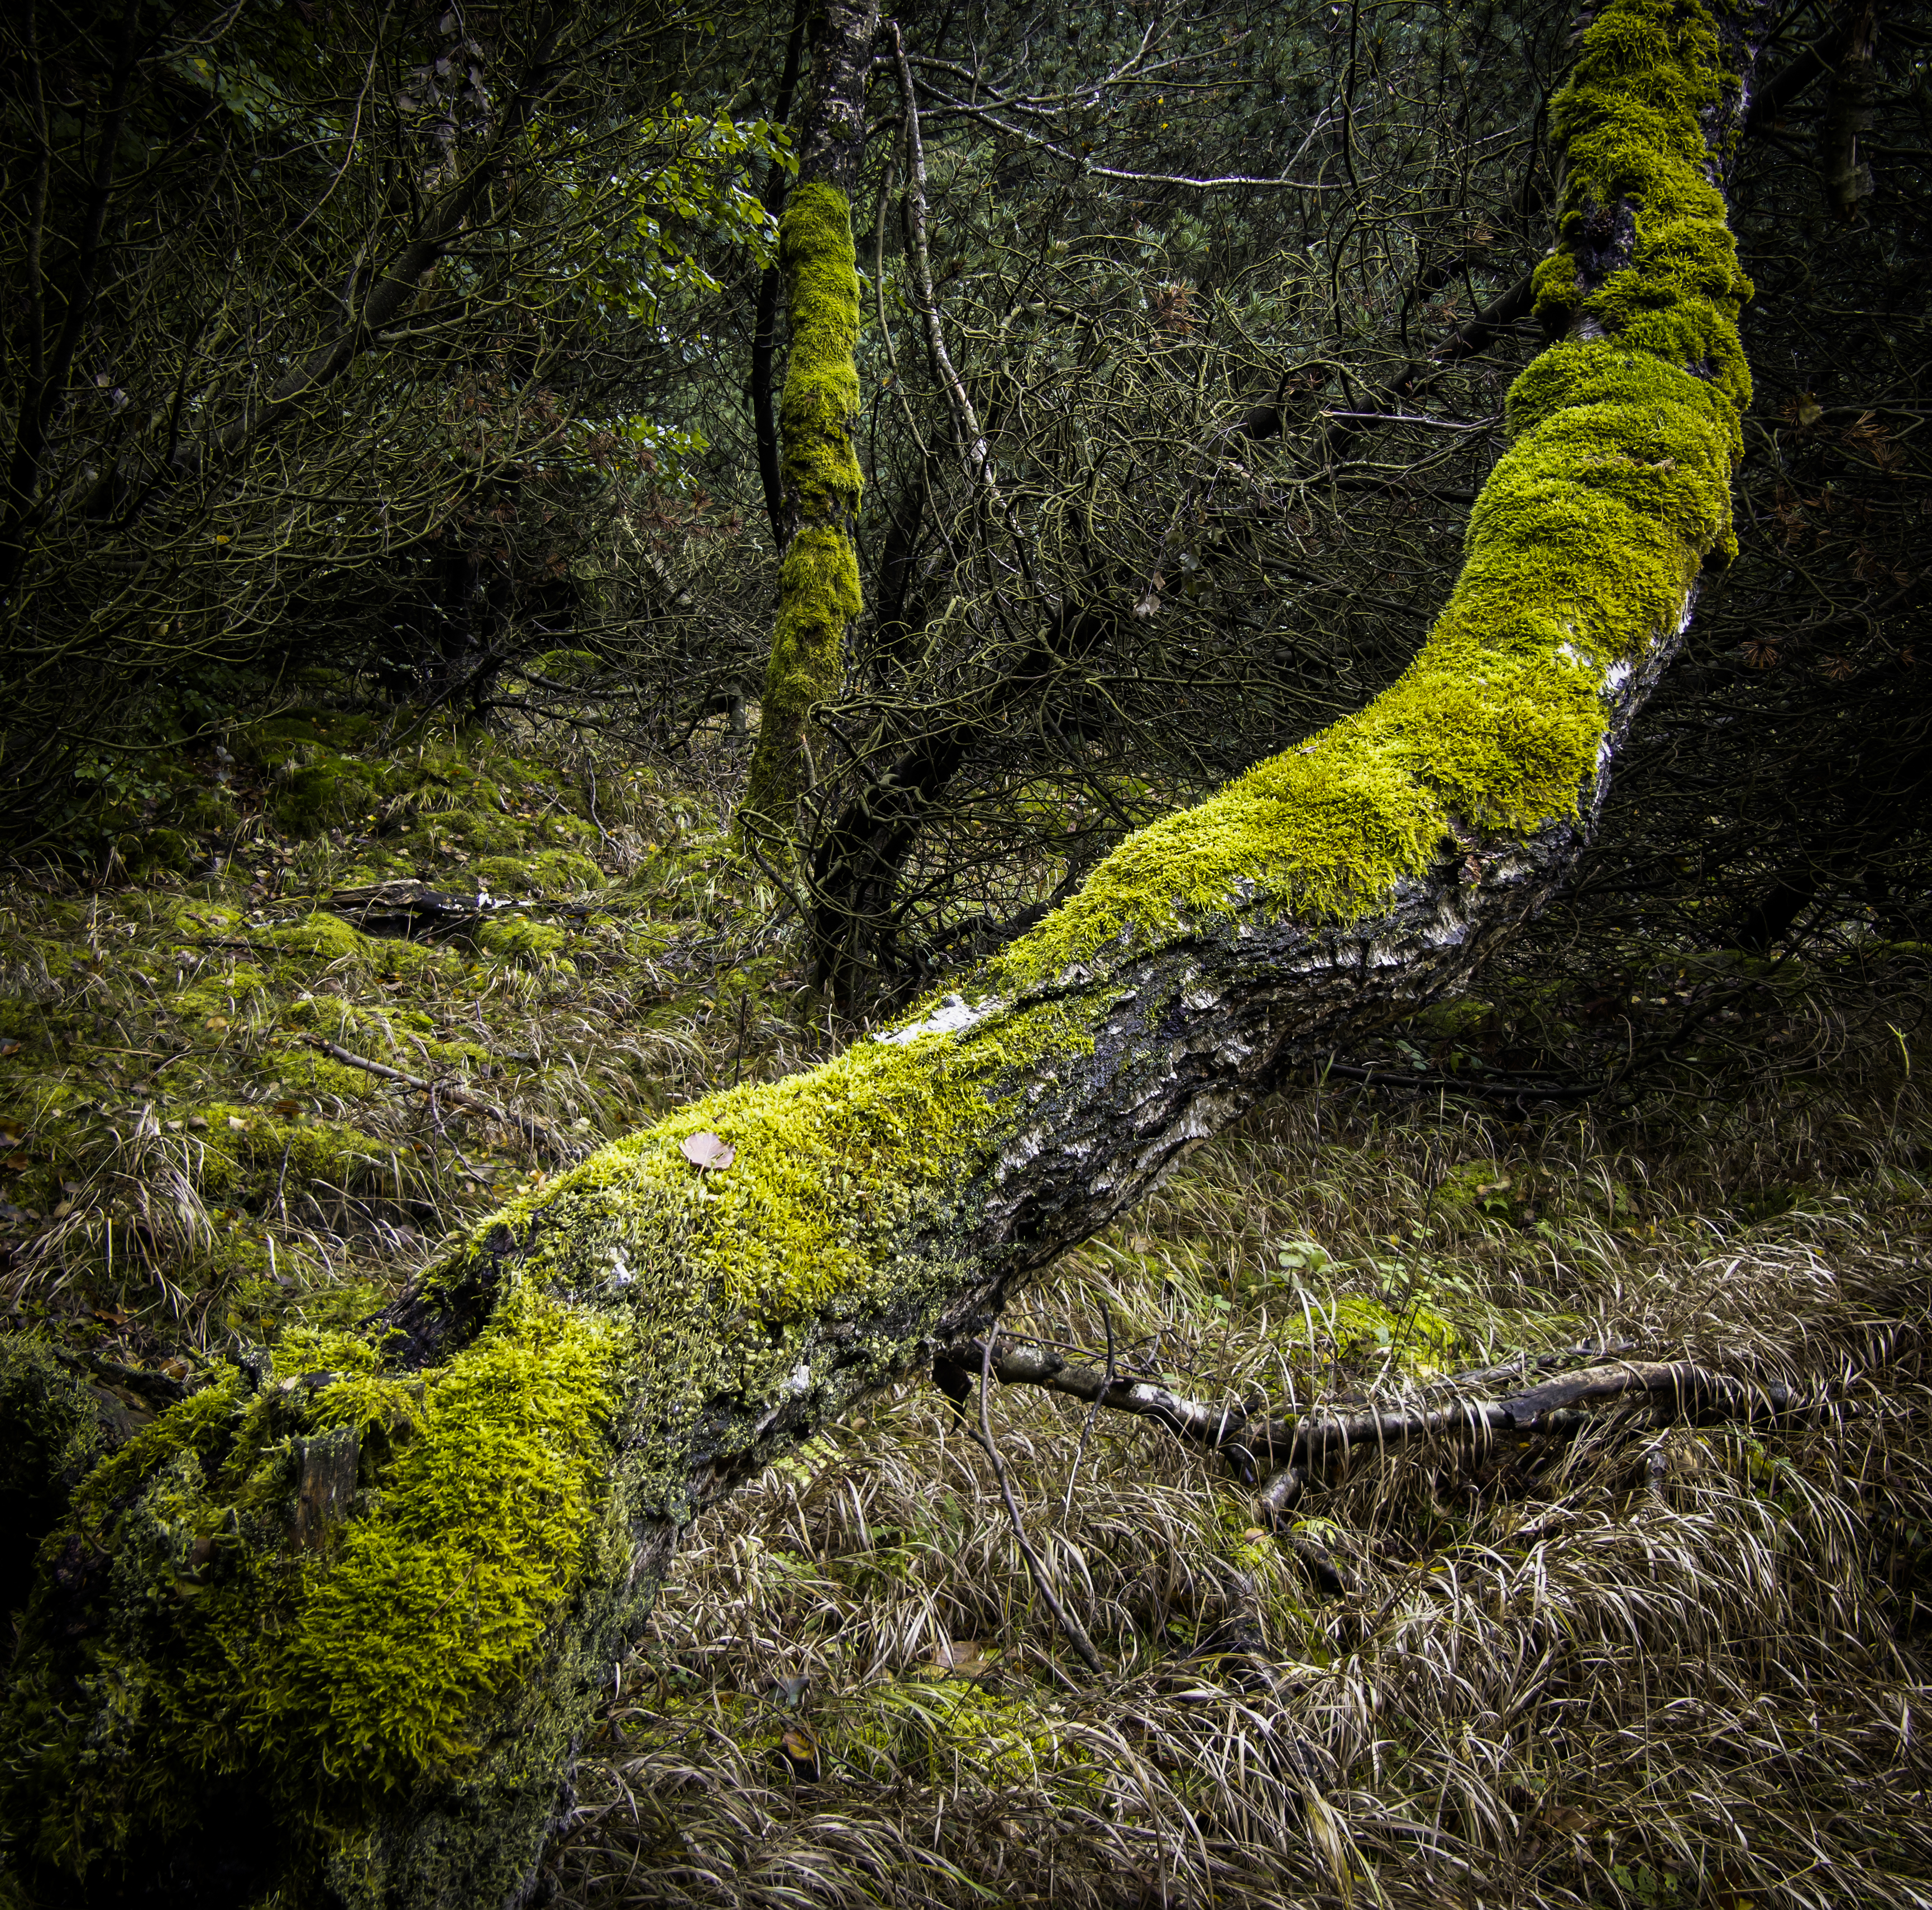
{"x": 765, "y": 312}
{"x": 1848, "y": 117}
{"x": 818, "y": 465}
{"x": 239, "y": 1673}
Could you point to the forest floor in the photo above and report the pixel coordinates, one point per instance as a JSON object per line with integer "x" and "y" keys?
{"x": 1640, "y": 1664}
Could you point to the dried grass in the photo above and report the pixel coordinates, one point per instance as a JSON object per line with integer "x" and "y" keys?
{"x": 1659, "y": 1666}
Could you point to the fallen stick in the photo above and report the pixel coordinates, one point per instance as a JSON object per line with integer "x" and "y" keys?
{"x": 1293, "y": 1447}
{"x": 540, "y": 1131}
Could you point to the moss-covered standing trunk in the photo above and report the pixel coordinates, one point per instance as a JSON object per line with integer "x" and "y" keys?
{"x": 335, "y": 1626}
{"x": 818, "y": 412}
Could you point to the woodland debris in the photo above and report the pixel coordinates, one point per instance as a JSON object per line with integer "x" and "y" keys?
{"x": 540, "y": 1132}
{"x": 1293, "y": 1447}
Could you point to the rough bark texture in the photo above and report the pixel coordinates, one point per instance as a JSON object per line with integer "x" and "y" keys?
{"x": 235, "y": 1674}
{"x": 819, "y": 478}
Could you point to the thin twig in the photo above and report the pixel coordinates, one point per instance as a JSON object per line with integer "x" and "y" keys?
{"x": 1071, "y": 1626}
{"x": 540, "y": 1131}
{"x": 1093, "y": 1413}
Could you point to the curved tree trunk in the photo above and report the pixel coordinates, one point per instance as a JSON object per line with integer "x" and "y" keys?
{"x": 335, "y": 1626}
{"x": 819, "y": 479}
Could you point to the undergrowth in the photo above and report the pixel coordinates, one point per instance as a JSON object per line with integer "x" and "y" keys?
{"x": 188, "y": 1166}
{"x": 1650, "y": 1665}
{"x": 1675, "y": 1666}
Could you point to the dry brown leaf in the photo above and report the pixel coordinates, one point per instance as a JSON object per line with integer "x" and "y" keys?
{"x": 965, "y": 1658}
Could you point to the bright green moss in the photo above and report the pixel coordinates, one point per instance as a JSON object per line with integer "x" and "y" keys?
{"x": 549, "y": 871}
{"x": 231, "y": 1148}
{"x": 192, "y": 920}
{"x": 440, "y": 1591}
{"x": 305, "y": 1074}
{"x": 1418, "y": 1339}
{"x": 219, "y": 994}
{"x": 349, "y": 1667}
{"x": 725, "y": 1269}
{"x": 512, "y": 938}
{"x": 928, "y": 1728}
{"x": 308, "y": 1349}
{"x": 484, "y": 832}
{"x": 818, "y": 577}
{"x": 1581, "y": 552}
{"x": 327, "y": 936}
{"x": 820, "y": 403}
{"x": 201, "y": 1425}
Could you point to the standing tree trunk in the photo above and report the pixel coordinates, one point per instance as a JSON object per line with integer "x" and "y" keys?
{"x": 818, "y": 411}
{"x": 1848, "y": 116}
{"x": 335, "y": 1625}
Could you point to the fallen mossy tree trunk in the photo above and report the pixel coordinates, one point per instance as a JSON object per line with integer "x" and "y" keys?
{"x": 335, "y": 1626}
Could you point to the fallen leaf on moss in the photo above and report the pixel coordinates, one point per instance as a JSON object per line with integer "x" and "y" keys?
{"x": 706, "y": 1150}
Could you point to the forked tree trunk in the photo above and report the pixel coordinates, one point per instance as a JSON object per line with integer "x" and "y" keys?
{"x": 337, "y": 1629}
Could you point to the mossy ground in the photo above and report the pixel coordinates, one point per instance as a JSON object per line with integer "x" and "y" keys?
{"x": 190, "y": 1177}
{"x": 184, "y": 1167}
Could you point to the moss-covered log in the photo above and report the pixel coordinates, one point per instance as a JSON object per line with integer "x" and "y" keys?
{"x": 335, "y": 1626}
{"x": 819, "y": 477}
